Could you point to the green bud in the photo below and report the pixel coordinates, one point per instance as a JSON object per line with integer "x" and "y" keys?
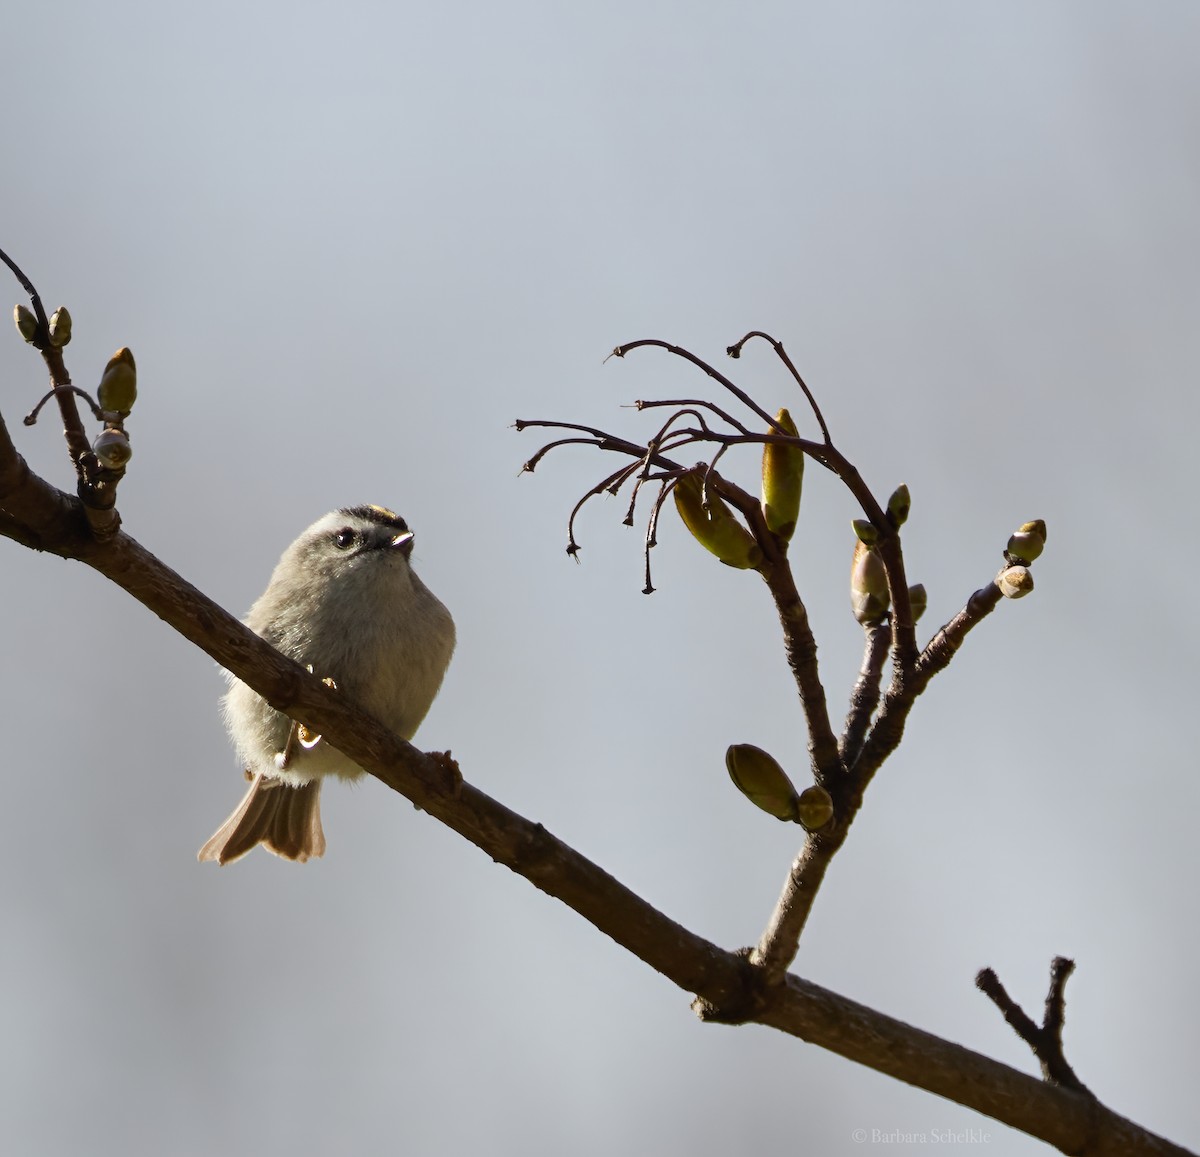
{"x": 1015, "y": 582}
{"x": 869, "y": 596}
{"x": 918, "y": 600}
{"x": 758, "y": 776}
{"x": 112, "y": 448}
{"x": 118, "y": 384}
{"x": 898, "y": 505}
{"x": 1027, "y": 543}
{"x": 814, "y": 809}
{"x": 27, "y": 325}
{"x": 782, "y": 481}
{"x": 715, "y": 528}
{"x": 60, "y": 327}
{"x": 865, "y": 532}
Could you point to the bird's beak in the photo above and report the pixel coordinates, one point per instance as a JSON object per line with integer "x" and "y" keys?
{"x": 403, "y": 543}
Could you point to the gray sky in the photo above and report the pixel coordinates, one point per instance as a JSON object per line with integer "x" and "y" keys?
{"x": 348, "y": 245}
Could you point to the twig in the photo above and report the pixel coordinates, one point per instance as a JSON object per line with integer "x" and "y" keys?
{"x": 691, "y": 402}
{"x": 735, "y": 351}
{"x": 1045, "y": 1040}
{"x": 781, "y": 939}
{"x": 865, "y": 696}
{"x": 712, "y": 372}
{"x": 31, "y": 418}
{"x": 725, "y": 984}
{"x": 96, "y": 486}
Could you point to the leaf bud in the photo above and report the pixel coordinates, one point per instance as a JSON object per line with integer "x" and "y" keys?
{"x": 865, "y": 532}
{"x": 814, "y": 809}
{"x": 869, "y": 596}
{"x": 26, "y": 320}
{"x": 1027, "y": 543}
{"x": 118, "y": 383}
{"x": 782, "y": 481}
{"x": 758, "y": 776}
{"x": 715, "y": 527}
{"x": 918, "y": 600}
{"x": 1015, "y": 582}
{"x": 112, "y": 448}
{"x": 60, "y": 327}
{"x": 898, "y": 505}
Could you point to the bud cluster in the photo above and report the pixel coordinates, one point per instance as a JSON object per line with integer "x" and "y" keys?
{"x": 759, "y": 777}
{"x": 115, "y": 394}
{"x": 869, "y": 594}
{"x": 1024, "y": 547}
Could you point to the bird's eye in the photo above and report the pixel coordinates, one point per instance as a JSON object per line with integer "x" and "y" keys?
{"x": 344, "y": 538}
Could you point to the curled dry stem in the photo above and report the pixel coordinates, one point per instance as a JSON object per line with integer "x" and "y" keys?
{"x": 735, "y": 351}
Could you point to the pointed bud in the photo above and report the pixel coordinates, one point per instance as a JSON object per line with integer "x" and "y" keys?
{"x": 1015, "y": 582}
{"x": 865, "y": 532}
{"x": 782, "y": 481}
{"x": 918, "y": 600}
{"x": 27, "y": 325}
{"x": 758, "y": 776}
{"x": 1027, "y": 543}
{"x": 112, "y": 448}
{"x": 118, "y": 383}
{"x": 60, "y": 327}
{"x": 869, "y": 596}
{"x": 814, "y": 809}
{"x": 715, "y": 528}
{"x": 899, "y": 505}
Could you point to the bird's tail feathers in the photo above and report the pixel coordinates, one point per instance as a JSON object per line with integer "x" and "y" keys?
{"x": 286, "y": 820}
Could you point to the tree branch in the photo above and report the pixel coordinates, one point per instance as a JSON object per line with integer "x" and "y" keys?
{"x": 1045, "y": 1040}
{"x": 726, "y": 984}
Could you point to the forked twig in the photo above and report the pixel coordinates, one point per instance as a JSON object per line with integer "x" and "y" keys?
{"x": 875, "y": 722}
{"x": 1045, "y": 1040}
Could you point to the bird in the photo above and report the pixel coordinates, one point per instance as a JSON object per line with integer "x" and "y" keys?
{"x": 345, "y": 602}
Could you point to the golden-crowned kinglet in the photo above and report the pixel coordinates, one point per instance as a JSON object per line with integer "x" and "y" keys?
{"x": 345, "y": 602}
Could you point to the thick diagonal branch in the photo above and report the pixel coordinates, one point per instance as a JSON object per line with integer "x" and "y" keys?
{"x": 721, "y": 980}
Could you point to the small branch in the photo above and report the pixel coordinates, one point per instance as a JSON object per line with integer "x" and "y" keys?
{"x": 651, "y": 539}
{"x": 712, "y": 372}
{"x": 888, "y": 728}
{"x": 800, "y": 647}
{"x": 904, "y": 629}
{"x": 684, "y": 403}
{"x": 95, "y": 485}
{"x": 32, "y": 417}
{"x": 943, "y": 646}
{"x": 865, "y": 696}
{"x": 600, "y": 488}
{"x": 28, "y": 286}
{"x": 843, "y": 768}
{"x": 1045, "y": 1040}
{"x": 780, "y": 941}
{"x": 605, "y": 441}
{"x": 735, "y": 351}
{"x": 531, "y": 464}
{"x": 725, "y": 984}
